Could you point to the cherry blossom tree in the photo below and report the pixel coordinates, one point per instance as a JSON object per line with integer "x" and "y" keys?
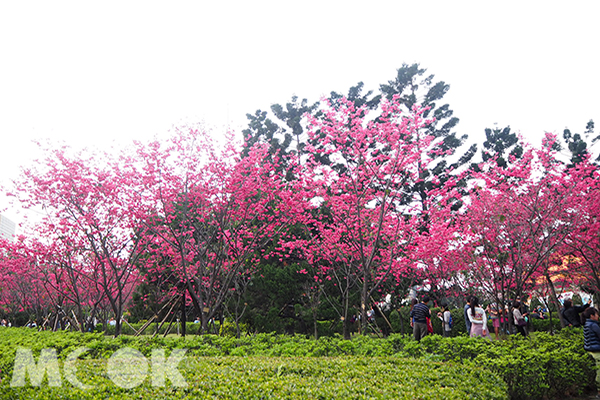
{"x": 73, "y": 287}
{"x": 518, "y": 218}
{"x": 362, "y": 232}
{"x": 195, "y": 218}
{"x": 583, "y": 244}
{"x": 22, "y": 286}
{"x": 85, "y": 200}
{"x": 48, "y": 279}
{"x": 214, "y": 212}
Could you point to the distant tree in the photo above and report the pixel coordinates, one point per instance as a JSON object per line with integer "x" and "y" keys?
{"x": 501, "y": 145}
{"x": 293, "y": 114}
{"x": 413, "y": 87}
{"x": 285, "y": 134}
{"x": 282, "y": 141}
{"x": 579, "y": 146}
{"x": 275, "y": 290}
{"x": 263, "y": 130}
{"x": 356, "y": 96}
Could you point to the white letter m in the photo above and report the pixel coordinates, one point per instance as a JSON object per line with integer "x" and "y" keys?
{"x": 25, "y": 364}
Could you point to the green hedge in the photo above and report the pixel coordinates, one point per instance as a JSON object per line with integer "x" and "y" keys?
{"x": 227, "y": 329}
{"x": 289, "y": 378}
{"x": 544, "y": 324}
{"x": 541, "y": 366}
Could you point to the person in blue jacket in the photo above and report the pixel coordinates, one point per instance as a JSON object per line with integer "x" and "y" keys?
{"x": 591, "y": 338}
{"x": 419, "y": 315}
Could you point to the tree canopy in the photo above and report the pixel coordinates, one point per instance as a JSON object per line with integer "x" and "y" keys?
{"x": 317, "y": 214}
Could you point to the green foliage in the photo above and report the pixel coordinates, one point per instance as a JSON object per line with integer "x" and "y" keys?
{"x": 544, "y": 324}
{"x": 502, "y": 144}
{"x": 272, "y": 366}
{"x": 290, "y": 378}
{"x": 578, "y": 144}
{"x": 191, "y": 328}
{"x": 542, "y": 366}
{"x": 271, "y": 297}
{"x": 144, "y": 303}
{"x": 398, "y": 325}
{"x": 458, "y": 322}
{"x": 539, "y": 367}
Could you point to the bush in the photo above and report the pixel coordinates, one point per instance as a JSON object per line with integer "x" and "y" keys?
{"x": 228, "y": 328}
{"x": 544, "y": 324}
{"x": 539, "y": 367}
{"x": 289, "y": 378}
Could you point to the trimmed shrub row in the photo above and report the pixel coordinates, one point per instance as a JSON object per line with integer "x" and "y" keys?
{"x": 289, "y": 378}
{"x": 542, "y": 366}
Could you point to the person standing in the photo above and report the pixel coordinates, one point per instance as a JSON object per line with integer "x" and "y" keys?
{"x": 466, "y": 315}
{"x": 571, "y": 313}
{"x": 478, "y": 320}
{"x": 525, "y": 312}
{"x": 492, "y": 308}
{"x": 591, "y": 338}
{"x": 419, "y": 315}
{"x": 413, "y": 303}
{"x": 446, "y": 319}
{"x": 518, "y": 319}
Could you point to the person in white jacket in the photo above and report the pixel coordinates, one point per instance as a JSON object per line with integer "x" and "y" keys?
{"x": 478, "y": 320}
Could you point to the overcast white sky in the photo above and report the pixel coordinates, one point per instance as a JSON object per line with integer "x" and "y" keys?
{"x": 95, "y": 73}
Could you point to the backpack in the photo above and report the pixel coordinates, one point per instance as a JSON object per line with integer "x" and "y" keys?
{"x": 450, "y": 322}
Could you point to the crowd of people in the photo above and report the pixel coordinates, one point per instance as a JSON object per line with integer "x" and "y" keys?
{"x": 514, "y": 317}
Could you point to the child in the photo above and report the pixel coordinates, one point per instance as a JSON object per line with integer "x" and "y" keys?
{"x": 495, "y": 317}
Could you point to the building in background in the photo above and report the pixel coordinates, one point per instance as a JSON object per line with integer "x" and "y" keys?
{"x": 7, "y": 228}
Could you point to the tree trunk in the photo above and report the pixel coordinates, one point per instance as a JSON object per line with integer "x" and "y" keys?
{"x": 345, "y": 319}
{"x": 364, "y": 301}
{"x": 555, "y": 301}
{"x": 183, "y": 316}
{"x": 346, "y": 329}
{"x": 316, "y": 327}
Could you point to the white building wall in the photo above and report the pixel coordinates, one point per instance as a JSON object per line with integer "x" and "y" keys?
{"x": 7, "y": 228}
